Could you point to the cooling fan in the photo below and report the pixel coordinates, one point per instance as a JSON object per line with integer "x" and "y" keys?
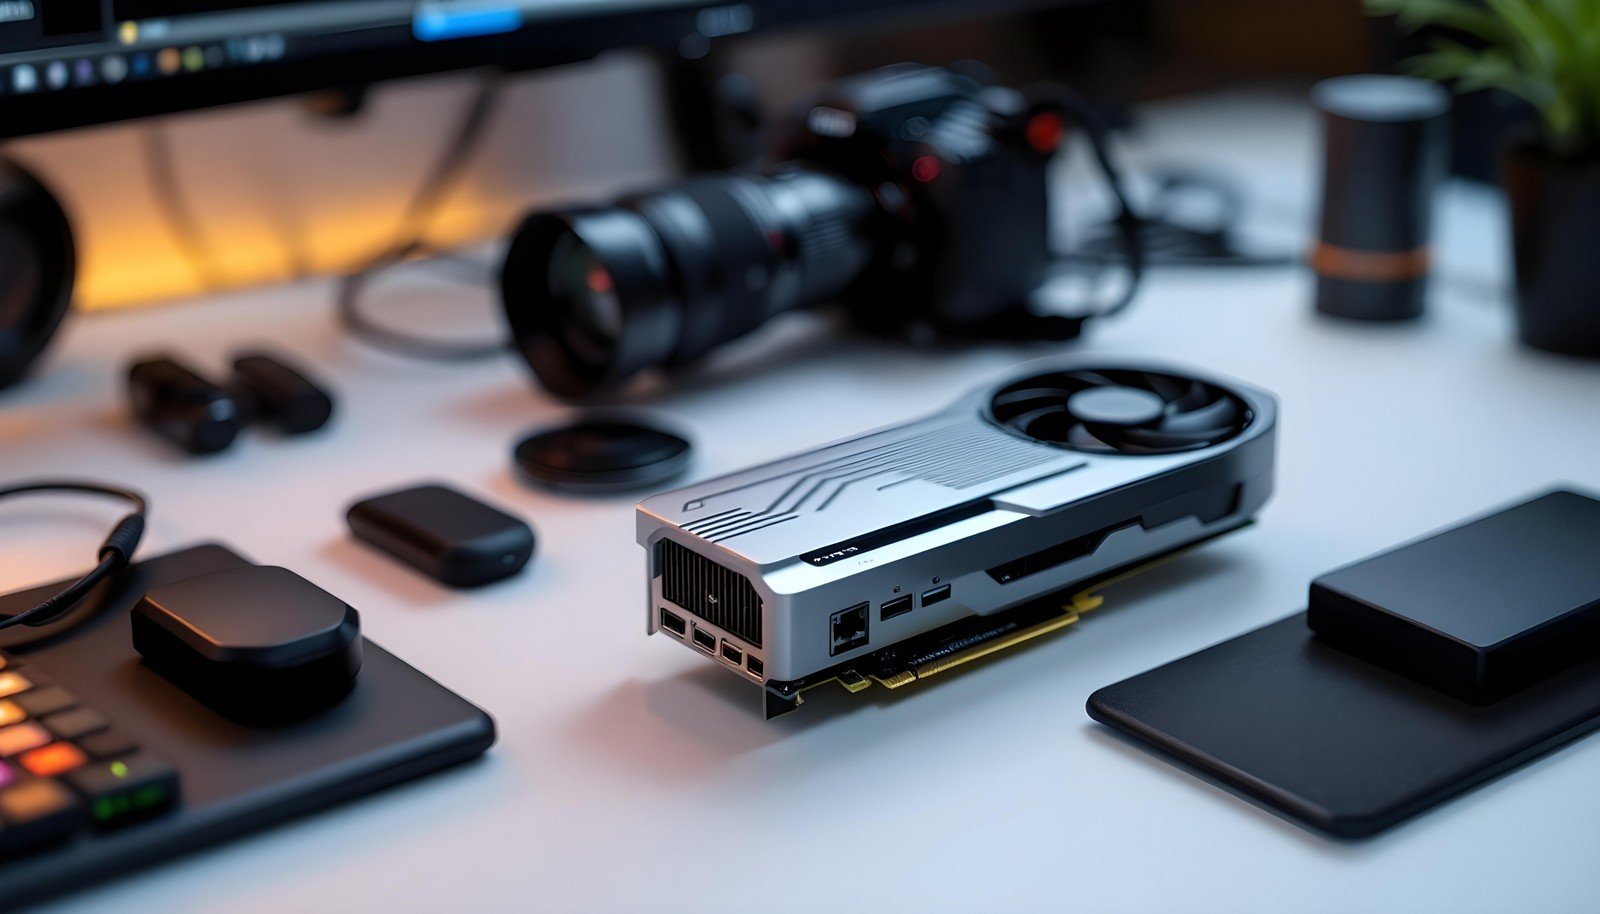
{"x": 1120, "y": 411}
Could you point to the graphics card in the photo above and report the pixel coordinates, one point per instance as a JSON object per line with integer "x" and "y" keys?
{"x": 875, "y": 557}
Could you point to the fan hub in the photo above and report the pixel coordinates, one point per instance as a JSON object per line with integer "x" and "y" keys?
{"x": 1119, "y": 407}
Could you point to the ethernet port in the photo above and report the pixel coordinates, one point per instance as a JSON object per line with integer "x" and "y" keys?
{"x": 847, "y": 629}
{"x": 705, "y": 640}
{"x": 673, "y": 622}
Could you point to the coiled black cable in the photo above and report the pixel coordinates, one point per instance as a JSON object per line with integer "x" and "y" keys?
{"x": 114, "y": 555}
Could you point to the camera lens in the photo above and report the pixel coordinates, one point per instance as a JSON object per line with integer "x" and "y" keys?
{"x": 37, "y": 266}
{"x": 595, "y": 296}
{"x": 20, "y": 278}
{"x": 581, "y": 286}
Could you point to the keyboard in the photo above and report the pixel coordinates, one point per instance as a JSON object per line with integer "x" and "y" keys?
{"x": 90, "y": 737}
{"x": 65, "y": 769}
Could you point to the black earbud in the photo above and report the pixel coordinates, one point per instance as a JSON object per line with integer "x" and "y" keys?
{"x": 180, "y": 405}
{"x": 272, "y": 391}
{"x": 203, "y": 417}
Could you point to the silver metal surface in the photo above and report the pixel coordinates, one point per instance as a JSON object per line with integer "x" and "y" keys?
{"x": 938, "y": 502}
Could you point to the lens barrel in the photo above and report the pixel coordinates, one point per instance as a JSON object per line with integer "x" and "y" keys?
{"x": 595, "y": 296}
{"x": 37, "y": 267}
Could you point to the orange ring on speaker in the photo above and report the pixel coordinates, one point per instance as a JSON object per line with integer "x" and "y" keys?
{"x": 1336, "y": 262}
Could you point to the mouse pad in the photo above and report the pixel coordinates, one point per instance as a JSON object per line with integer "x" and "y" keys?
{"x": 396, "y": 725}
{"x": 1333, "y": 741}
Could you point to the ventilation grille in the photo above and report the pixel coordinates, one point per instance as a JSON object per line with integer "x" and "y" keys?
{"x": 703, "y": 588}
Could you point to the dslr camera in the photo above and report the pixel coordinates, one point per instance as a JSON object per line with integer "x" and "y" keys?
{"x": 913, "y": 196}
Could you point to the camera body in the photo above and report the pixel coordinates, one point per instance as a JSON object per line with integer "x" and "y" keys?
{"x": 914, "y": 196}
{"x": 958, "y": 171}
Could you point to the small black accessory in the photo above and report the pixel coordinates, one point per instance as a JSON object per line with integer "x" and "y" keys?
{"x": 914, "y": 196}
{"x": 1341, "y": 732}
{"x": 183, "y": 407}
{"x": 602, "y": 454}
{"x": 1479, "y": 610}
{"x": 1385, "y": 155}
{"x": 255, "y": 643}
{"x": 114, "y": 554}
{"x": 452, "y": 538}
{"x": 273, "y": 391}
{"x": 38, "y": 263}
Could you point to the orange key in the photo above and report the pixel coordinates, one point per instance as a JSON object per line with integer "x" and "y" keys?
{"x": 54, "y": 759}
{"x": 13, "y": 684}
{"x": 11, "y": 714}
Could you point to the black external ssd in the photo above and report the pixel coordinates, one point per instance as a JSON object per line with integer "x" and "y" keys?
{"x": 1478, "y": 610}
{"x": 1415, "y": 675}
{"x": 453, "y": 538}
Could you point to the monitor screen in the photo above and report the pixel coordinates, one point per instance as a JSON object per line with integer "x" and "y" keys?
{"x": 66, "y": 63}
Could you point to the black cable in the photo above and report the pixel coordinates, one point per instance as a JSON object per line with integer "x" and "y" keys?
{"x": 1172, "y": 240}
{"x": 411, "y": 241}
{"x": 1127, "y": 222}
{"x": 114, "y": 555}
{"x": 173, "y": 207}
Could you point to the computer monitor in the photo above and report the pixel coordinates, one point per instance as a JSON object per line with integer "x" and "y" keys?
{"x": 71, "y": 63}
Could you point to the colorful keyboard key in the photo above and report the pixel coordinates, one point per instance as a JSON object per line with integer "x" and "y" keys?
{"x": 35, "y": 812}
{"x": 13, "y": 683}
{"x": 53, "y": 760}
{"x": 11, "y": 713}
{"x": 19, "y": 738}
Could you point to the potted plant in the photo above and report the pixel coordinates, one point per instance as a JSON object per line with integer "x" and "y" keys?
{"x": 1546, "y": 52}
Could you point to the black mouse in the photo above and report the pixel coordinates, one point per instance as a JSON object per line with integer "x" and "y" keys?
{"x": 257, "y": 644}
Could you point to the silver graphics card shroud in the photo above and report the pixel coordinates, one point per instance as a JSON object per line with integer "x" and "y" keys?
{"x": 1068, "y": 469}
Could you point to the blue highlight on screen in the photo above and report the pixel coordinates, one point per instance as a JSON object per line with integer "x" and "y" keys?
{"x": 443, "y": 25}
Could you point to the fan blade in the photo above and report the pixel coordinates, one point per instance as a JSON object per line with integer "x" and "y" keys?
{"x": 1080, "y": 438}
{"x": 1165, "y": 386}
{"x": 1214, "y": 419}
{"x": 1195, "y": 397}
{"x": 1158, "y": 440}
{"x": 1011, "y": 398}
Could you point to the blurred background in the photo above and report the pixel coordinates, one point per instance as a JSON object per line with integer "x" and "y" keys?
{"x": 286, "y": 188}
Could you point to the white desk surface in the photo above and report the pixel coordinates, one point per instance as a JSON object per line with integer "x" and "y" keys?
{"x": 631, "y": 775}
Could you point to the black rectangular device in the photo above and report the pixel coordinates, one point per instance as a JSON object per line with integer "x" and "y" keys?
{"x": 453, "y": 538}
{"x": 163, "y": 774}
{"x": 1478, "y": 610}
{"x": 1331, "y": 740}
{"x": 1415, "y": 674}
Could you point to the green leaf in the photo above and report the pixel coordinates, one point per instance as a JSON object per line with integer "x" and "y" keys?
{"x": 1544, "y": 51}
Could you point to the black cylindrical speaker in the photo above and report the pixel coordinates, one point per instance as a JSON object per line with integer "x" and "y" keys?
{"x": 37, "y": 265}
{"x": 1386, "y": 149}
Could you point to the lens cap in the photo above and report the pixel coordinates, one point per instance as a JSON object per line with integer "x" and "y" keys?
{"x": 602, "y": 454}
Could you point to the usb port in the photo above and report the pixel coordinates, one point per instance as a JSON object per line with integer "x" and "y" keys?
{"x": 936, "y": 595}
{"x": 756, "y": 667}
{"x": 732, "y": 654}
{"x": 705, "y": 641}
{"x": 899, "y": 606}
{"x": 673, "y": 622}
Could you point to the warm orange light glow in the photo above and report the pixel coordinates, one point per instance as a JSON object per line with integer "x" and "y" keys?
{"x": 129, "y": 267}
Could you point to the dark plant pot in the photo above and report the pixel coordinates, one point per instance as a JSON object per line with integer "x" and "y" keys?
{"x": 1555, "y": 235}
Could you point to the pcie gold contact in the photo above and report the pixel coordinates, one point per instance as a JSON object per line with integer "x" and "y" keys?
{"x": 1080, "y": 603}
